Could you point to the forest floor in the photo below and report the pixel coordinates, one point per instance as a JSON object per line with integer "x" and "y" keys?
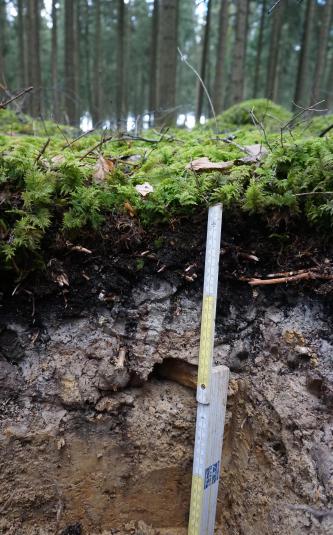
{"x": 99, "y": 326}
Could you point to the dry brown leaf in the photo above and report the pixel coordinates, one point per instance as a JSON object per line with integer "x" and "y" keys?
{"x": 129, "y": 208}
{"x": 255, "y": 154}
{"x": 204, "y": 164}
{"x": 102, "y": 168}
{"x": 144, "y": 189}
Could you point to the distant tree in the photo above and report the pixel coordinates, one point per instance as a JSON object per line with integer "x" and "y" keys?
{"x": 34, "y": 64}
{"x": 274, "y": 51}
{"x": 219, "y": 83}
{"x": 70, "y": 63}
{"x": 167, "y": 60}
{"x": 301, "y": 92}
{"x": 120, "y": 70}
{"x": 153, "y": 61}
{"x": 325, "y": 24}
{"x": 21, "y": 41}
{"x": 54, "y": 63}
{"x": 239, "y": 53}
{"x": 260, "y": 46}
{"x": 204, "y": 61}
{"x": 2, "y": 39}
{"x": 97, "y": 70}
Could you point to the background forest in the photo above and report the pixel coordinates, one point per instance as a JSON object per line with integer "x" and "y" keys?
{"x": 107, "y": 62}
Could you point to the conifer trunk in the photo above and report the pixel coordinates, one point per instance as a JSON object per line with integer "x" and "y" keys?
{"x": 153, "y": 63}
{"x": 70, "y": 82}
{"x": 322, "y": 52}
{"x": 54, "y": 63}
{"x": 97, "y": 82}
{"x": 34, "y": 67}
{"x": 120, "y": 62}
{"x": 303, "y": 64}
{"x": 219, "y": 83}
{"x": 274, "y": 51}
{"x": 167, "y": 61}
{"x": 260, "y": 45}
{"x": 204, "y": 61}
{"x": 2, "y": 40}
{"x": 238, "y": 60}
{"x": 22, "y": 75}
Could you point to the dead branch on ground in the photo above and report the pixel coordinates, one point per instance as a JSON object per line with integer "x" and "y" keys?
{"x": 42, "y": 150}
{"x": 11, "y": 99}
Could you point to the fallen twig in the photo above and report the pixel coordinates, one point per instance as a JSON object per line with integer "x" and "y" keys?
{"x": 79, "y": 137}
{"x": 43, "y": 149}
{"x": 307, "y": 275}
{"x": 9, "y": 101}
{"x": 99, "y": 144}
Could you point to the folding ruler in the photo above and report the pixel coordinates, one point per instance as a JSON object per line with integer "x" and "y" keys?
{"x": 211, "y": 396}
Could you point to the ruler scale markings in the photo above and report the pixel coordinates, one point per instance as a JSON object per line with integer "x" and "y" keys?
{"x": 211, "y": 396}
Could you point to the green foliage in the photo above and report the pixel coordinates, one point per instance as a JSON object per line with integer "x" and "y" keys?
{"x": 59, "y": 190}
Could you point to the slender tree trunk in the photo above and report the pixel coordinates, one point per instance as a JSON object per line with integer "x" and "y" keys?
{"x": 21, "y": 44}
{"x": 204, "y": 61}
{"x": 322, "y": 51}
{"x": 153, "y": 64}
{"x": 2, "y": 40}
{"x": 303, "y": 64}
{"x": 274, "y": 51}
{"x": 70, "y": 83}
{"x": 35, "y": 78}
{"x": 87, "y": 53}
{"x": 238, "y": 60}
{"x": 260, "y": 45}
{"x": 77, "y": 48}
{"x": 54, "y": 62}
{"x": 97, "y": 71}
{"x": 120, "y": 62}
{"x": 167, "y": 61}
{"x": 219, "y": 84}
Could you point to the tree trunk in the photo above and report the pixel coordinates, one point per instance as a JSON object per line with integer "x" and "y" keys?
{"x": 322, "y": 51}
{"x": 218, "y": 92}
{"x": 274, "y": 51}
{"x": 54, "y": 63}
{"x": 238, "y": 60}
{"x": 219, "y": 84}
{"x": 120, "y": 63}
{"x": 96, "y": 84}
{"x": 21, "y": 36}
{"x": 303, "y": 64}
{"x": 260, "y": 45}
{"x": 153, "y": 64}
{"x": 2, "y": 40}
{"x": 204, "y": 60}
{"x": 77, "y": 48}
{"x": 70, "y": 75}
{"x": 34, "y": 66}
{"x": 167, "y": 61}
{"x": 87, "y": 63}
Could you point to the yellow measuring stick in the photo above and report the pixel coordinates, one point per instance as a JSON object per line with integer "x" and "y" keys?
{"x": 211, "y": 396}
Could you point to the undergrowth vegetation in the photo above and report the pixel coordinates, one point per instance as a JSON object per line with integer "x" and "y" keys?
{"x": 52, "y": 188}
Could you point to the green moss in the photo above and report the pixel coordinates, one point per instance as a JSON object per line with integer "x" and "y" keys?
{"x": 271, "y": 115}
{"x": 57, "y": 190}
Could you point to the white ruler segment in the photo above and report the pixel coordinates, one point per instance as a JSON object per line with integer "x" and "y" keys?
{"x": 207, "y": 455}
{"x": 209, "y": 302}
{"x": 211, "y": 396}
